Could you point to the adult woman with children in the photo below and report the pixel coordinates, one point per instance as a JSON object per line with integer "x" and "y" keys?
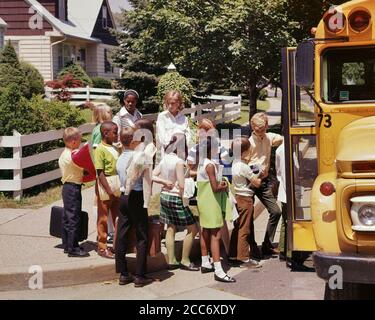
{"x": 172, "y": 120}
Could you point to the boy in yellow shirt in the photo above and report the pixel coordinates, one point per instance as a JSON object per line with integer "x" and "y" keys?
{"x": 71, "y": 193}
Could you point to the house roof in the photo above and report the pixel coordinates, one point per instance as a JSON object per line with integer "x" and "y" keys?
{"x": 82, "y": 17}
{"x": 3, "y": 23}
{"x": 85, "y": 13}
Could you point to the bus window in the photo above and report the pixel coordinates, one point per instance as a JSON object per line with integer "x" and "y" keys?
{"x": 305, "y": 170}
{"x": 302, "y": 106}
{"x": 349, "y": 75}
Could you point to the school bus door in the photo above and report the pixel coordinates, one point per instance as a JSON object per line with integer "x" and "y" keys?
{"x": 301, "y": 167}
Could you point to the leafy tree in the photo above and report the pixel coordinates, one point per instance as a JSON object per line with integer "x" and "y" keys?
{"x": 228, "y": 43}
{"x": 232, "y": 40}
{"x": 78, "y": 73}
{"x": 252, "y": 33}
{"x": 308, "y": 14}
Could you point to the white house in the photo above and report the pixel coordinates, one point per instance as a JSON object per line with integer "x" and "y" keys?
{"x": 50, "y": 33}
{"x": 3, "y": 27}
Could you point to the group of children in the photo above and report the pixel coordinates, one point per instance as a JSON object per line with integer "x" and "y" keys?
{"x": 124, "y": 154}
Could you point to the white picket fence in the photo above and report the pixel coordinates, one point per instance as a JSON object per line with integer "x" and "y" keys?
{"x": 18, "y": 163}
{"x": 81, "y": 95}
{"x": 228, "y": 109}
{"x": 220, "y": 111}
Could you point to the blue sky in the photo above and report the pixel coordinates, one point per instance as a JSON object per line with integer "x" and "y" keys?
{"x": 117, "y": 4}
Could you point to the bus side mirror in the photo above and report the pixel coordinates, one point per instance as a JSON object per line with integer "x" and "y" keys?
{"x": 305, "y": 64}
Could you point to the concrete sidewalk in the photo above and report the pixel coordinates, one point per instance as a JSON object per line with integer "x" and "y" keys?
{"x": 25, "y": 242}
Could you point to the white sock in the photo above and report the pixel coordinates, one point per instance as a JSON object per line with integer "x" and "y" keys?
{"x": 219, "y": 270}
{"x": 206, "y": 262}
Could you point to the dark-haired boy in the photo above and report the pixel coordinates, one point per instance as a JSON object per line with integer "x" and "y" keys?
{"x": 132, "y": 213}
{"x": 106, "y": 156}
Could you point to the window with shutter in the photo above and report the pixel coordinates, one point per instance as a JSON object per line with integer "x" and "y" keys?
{"x": 104, "y": 17}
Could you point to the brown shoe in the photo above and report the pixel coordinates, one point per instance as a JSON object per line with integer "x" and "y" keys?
{"x": 106, "y": 253}
{"x": 142, "y": 281}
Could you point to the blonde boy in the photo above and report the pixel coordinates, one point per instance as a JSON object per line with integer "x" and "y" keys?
{"x": 260, "y": 155}
{"x": 71, "y": 193}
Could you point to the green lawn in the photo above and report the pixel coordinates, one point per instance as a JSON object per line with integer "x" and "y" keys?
{"x": 261, "y": 106}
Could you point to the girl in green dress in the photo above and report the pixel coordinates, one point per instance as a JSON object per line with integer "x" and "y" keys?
{"x": 213, "y": 205}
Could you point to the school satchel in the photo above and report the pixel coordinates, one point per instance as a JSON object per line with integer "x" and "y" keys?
{"x": 154, "y": 239}
{"x": 114, "y": 183}
{"x": 55, "y": 226}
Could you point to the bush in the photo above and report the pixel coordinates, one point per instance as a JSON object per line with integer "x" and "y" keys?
{"x": 98, "y": 82}
{"x": 78, "y": 73}
{"x": 263, "y": 94}
{"x": 66, "y": 82}
{"x": 175, "y": 81}
{"x": 31, "y": 116}
{"x": 11, "y": 71}
{"x": 33, "y": 77}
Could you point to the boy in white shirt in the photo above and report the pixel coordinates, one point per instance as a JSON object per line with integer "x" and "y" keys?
{"x": 243, "y": 178}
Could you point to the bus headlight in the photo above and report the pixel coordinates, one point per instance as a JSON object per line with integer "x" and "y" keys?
{"x": 366, "y": 214}
{"x": 362, "y": 213}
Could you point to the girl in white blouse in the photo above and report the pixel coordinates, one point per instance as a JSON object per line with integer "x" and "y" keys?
{"x": 172, "y": 120}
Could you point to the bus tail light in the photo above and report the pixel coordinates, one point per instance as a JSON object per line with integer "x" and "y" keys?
{"x": 334, "y": 21}
{"x": 359, "y": 20}
{"x": 327, "y": 188}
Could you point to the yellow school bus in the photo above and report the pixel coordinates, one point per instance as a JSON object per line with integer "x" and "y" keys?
{"x": 329, "y": 127}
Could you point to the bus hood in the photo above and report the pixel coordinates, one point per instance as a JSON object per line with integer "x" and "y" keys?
{"x": 357, "y": 141}
{"x": 356, "y": 150}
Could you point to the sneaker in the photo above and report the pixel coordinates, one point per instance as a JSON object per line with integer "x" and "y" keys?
{"x": 142, "y": 281}
{"x": 251, "y": 264}
{"x": 125, "y": 279}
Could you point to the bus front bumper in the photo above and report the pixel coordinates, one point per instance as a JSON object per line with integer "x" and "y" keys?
{"x": 354, "y": 267}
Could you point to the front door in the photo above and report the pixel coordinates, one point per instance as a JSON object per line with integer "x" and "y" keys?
{"x": 300, "y": 156}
